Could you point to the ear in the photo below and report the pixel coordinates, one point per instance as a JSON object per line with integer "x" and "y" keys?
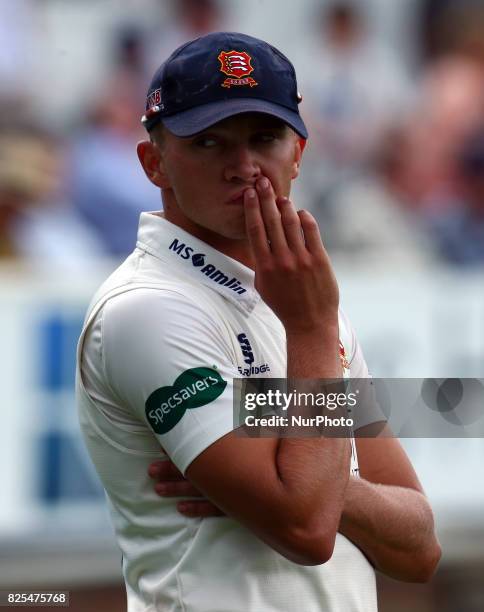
{"x": 298, "y": 151}
{"x": 151, "y": 160}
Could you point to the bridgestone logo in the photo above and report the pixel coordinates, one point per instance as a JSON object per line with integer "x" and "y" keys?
{"x": 213, "y": 273}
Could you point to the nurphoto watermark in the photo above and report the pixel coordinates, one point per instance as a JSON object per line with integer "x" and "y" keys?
{"x": 361, "y": 407}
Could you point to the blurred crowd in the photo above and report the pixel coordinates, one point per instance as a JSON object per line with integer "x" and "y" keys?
{"x": 394, "y": 167}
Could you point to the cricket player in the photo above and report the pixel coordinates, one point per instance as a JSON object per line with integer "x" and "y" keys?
{"x": 231, "y": 280}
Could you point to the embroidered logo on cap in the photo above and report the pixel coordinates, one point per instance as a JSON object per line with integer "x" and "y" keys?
{"x": 153, "y": 105}
{"x": 236, "y": 64}
{"x": 154, "y": 99}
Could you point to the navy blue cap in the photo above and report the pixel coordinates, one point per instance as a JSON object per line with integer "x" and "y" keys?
{"x": 220, "y": 75}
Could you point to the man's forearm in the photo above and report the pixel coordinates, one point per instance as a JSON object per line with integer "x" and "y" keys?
{"x": 393, "y": 527}
{"x": 314, "y": 474}
{"x": 309, "y": 468}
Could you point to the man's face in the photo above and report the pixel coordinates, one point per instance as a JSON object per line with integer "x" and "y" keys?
{"x": 204, "y": 176}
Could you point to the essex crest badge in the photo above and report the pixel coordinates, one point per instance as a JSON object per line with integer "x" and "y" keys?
{"x": 237, "y": 66}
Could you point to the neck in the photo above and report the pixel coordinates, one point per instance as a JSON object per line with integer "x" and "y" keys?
{"x": 238, "y": 249}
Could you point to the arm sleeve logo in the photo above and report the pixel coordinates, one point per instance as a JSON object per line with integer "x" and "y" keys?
{"x": 196, "y": 387}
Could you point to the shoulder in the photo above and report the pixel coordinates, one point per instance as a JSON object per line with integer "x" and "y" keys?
{"x": 166, "y": 316}
{"x": 161, "y": 298}
{"x": 167, "y": 302}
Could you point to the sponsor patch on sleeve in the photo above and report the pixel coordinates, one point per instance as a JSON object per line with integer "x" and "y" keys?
{"x": 196, "y": 387}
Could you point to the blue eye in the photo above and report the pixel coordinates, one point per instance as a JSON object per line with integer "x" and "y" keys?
{"x": 266, "y": 137}
{"x": 206, "y": 142}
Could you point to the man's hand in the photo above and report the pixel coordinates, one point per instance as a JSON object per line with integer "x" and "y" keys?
{"x": 169, "y": 482}
{"x": 293, "y": 273}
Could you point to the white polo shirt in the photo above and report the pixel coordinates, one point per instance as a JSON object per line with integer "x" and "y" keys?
{"x": 163, "y": 339}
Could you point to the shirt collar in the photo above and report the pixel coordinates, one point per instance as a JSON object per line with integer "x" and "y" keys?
{"x": 201, "y": 262}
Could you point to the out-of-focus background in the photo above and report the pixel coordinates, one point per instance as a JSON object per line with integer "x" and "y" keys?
{"x": 394, "y": 171}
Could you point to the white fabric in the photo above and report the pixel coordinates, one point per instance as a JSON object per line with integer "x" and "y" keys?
{"x": 167, "y": 309}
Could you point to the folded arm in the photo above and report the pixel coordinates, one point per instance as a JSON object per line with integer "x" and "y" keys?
{"x": 387, "y": 515}
{"x": 385, "y": 512}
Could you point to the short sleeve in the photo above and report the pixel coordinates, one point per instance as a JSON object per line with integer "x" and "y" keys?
{"x": 169, "y": 359}
{"x": 367, "y": 410}
{"x": 358, "y": 367}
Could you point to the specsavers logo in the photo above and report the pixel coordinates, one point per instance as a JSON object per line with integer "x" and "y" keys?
{"x": 166, "y": 406}
{"x": 198, "y": 261}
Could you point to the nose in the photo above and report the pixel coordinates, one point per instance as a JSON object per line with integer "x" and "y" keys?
{"x": 241, "y": 165}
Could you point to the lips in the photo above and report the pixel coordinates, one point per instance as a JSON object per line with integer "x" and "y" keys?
{"x": 237, "y": 198}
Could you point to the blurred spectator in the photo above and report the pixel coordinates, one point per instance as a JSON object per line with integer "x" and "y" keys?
{"x": 353, "y": 89}
{"x": 459, "y": 229}
{"x": 436, "y": 160}
{"x": 108, "y": 186}
{"x": 36, "y": 222}
{"x": 189, "y": 19}
{"x": 445, "y": 24}
{"x": 365, "y": 219}
{"x": 448, "y": 107}
{"x": 128, "y": 49}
